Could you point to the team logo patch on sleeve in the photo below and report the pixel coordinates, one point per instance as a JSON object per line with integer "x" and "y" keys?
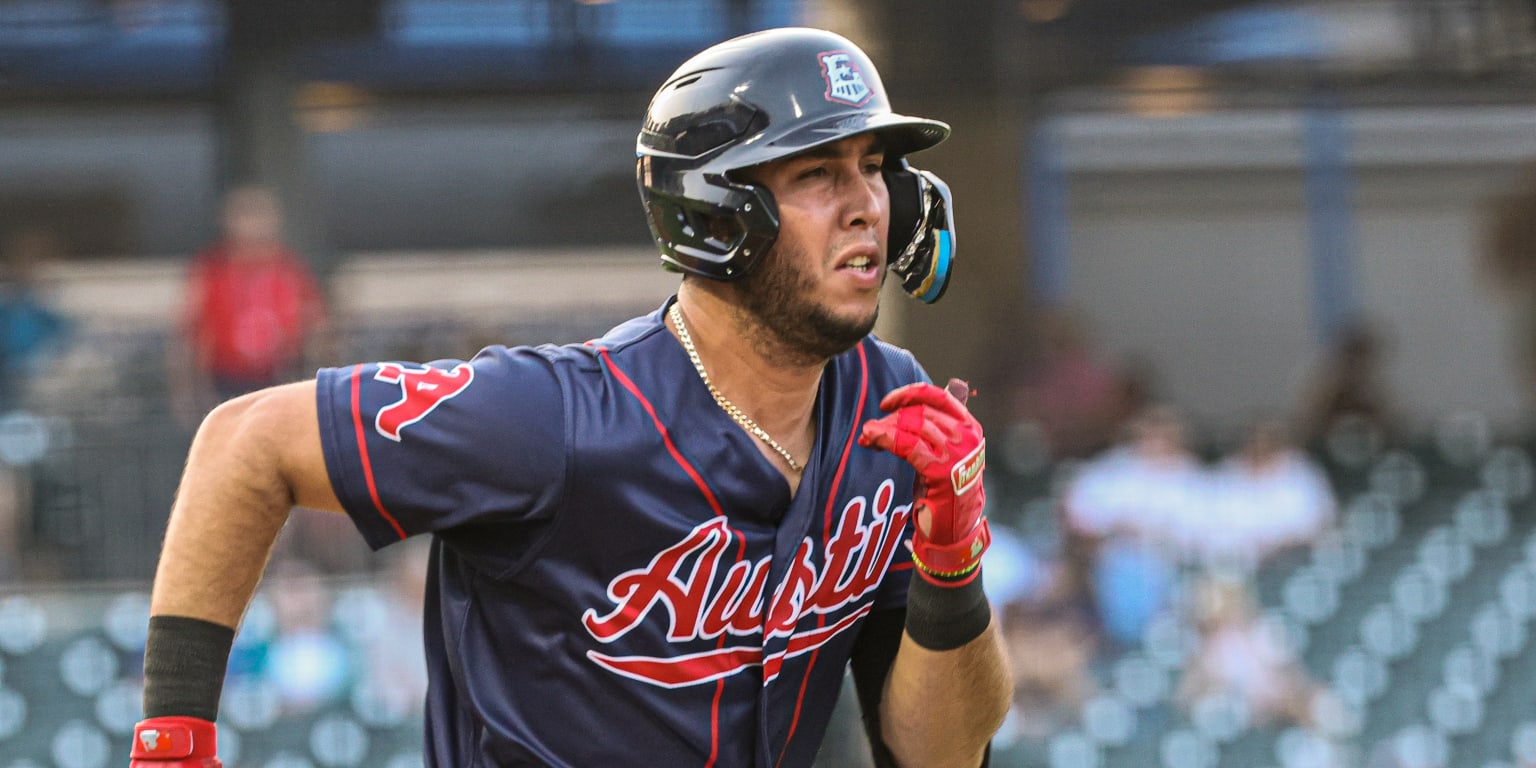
{"x": 845, "y": 82}
{"x": 421, "y": 391}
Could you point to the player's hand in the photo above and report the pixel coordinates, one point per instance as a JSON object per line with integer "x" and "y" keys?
{"x": 175, "y": 742}
{"x": 933, "y": 431}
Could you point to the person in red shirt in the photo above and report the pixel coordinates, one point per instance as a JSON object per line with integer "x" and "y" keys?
{"x": 253, "y": 306}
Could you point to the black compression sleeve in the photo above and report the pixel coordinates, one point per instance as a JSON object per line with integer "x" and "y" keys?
{"x": 184, "y": 663}
{"x": 945, "y": 618}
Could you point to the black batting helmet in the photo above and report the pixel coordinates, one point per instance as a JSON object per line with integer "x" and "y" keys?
{"x": 762, "y": 97}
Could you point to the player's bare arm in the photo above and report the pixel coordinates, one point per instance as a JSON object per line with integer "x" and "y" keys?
{"x": 941, "y": 708}
{"x": 253, "y": 460}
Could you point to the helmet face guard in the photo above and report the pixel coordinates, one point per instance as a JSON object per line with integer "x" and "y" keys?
{"x": 767, "y": 96}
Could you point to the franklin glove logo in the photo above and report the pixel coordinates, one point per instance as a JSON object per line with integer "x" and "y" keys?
{"x": 965, "y": 472}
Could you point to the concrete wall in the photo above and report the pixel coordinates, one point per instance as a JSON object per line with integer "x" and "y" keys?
{"x": 1188, "y": 244}
{"x": 424, "y": 175}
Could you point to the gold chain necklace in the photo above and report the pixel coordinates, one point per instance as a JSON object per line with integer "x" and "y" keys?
{"x": 729, "y": 407}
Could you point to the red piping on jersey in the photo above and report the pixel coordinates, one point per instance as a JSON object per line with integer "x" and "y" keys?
{"x": 661, "y": 428}
{"x": 837, "y": 480}
{"x": 714, "y": 503}
{"x": 362, "y": 449}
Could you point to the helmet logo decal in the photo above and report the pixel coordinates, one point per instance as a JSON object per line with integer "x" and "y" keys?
{"x": 845, "y": 81}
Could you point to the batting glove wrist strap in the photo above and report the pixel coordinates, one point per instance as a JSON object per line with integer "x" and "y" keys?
{"x": 951, "y": 565}
{"x": 175, "y": 742}
{"x": 931, "y": 429}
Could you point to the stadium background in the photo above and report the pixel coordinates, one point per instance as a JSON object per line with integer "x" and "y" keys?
{"x": 1218, "y": 189}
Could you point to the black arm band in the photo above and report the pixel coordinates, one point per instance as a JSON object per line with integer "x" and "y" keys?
{"x": 184, "y": 663}
{"x": 945, "y": 618}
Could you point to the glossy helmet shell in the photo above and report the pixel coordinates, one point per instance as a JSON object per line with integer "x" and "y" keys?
{"x": 747, "y": 101}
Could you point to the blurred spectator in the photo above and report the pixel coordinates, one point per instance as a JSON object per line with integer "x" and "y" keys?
{"x": 1137, "y": 389}
{"x": 31, "y": 333}
{"x": 1048, "y": 628}
{"x": 1124, "y": 511}
{"x": 306, "y": 662}
{"x": 1065, "y": 385}
{"x": 253, "y": 308}
{"x": 1509, "y": 251}
{"x": 1051, "y": 641}
{"x": 30, "y": 329}
{"x": 1237, "y": 655}
{"x": 1349, "y": 385}
{"x": 1268, "y": 496}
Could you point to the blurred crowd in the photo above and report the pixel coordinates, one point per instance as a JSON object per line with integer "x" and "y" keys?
{"x": 251, "y": 313}
{"x": 313, "y": 644}
{"x": 31, "y": 333}
{"x": 1141, "y": 521}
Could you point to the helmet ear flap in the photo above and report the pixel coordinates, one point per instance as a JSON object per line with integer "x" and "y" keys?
{"x": 922, "y": 239}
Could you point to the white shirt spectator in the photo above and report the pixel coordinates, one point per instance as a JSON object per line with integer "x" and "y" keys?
{"x": 1128, "y": 493}
{"x": 1262, "y": 507}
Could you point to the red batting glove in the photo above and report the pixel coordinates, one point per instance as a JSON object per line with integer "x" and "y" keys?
{"x": 931, "y": 429}
{"x": 175, "y": 742}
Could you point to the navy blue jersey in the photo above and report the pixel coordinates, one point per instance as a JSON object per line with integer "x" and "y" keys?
{"x": 619, "y": 576}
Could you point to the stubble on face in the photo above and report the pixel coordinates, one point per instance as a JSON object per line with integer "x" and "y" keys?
{"x": 784, "y": 322}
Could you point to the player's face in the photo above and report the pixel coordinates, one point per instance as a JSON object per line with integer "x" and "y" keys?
{"x": 818, "y": 290}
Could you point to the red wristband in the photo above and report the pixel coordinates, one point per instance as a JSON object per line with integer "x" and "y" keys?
{"x": 188, "y": 742}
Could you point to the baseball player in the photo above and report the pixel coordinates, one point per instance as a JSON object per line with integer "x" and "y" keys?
{"x": 666, "y": 546}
